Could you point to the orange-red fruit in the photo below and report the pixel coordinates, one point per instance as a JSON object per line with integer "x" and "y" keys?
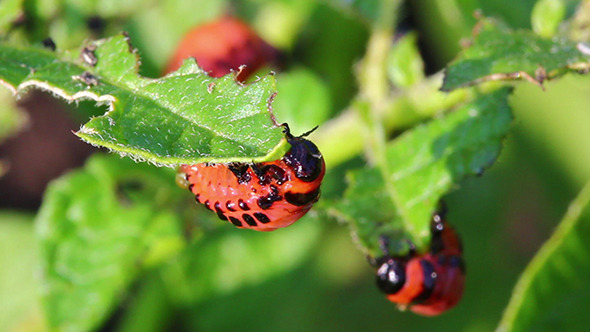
{"x": 262, "y": 196}
{"x": 222, "y": 46}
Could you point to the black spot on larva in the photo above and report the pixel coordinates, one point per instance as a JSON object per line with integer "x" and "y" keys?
{"x": 267, "y": 201}
{"x": 190, "y": 187}
{"x": 49, "y": 44}
{"x": 235, "y": 221}
{"x": 198, "y": 198}
{"x": 301, "y": 199}
{"x": 249, "y": 220}
{"x": 428, "y": 283}
{"x": 207, "y": 205}
{"x": 266, "y": 173}
{"x": 261, "y": 217}
{"x": 219, "y": 211}
{"x": 241, "y": 172}
{"x": 243, "y": 205}
{"x": 230, "y": 206}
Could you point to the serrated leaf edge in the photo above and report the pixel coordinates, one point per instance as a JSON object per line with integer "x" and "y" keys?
{"x": 189, "y": 67}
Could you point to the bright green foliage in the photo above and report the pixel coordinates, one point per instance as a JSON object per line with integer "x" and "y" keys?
{"x": 498, "y": 53}
{"x": 97, "y": 228}
{"x": 424, "y": 164}
{"x": 66, "y": 21}
{"x": 370, "y": 211}
{"x": 223, "y": 262}
{"x": 553, "y": 290}
{"x": 185, "y": 117}
{"x": 19, "y": 255}
{"x": 546, "y": 17}
{"x": 404, "y": 63}
{"x": 116, "y": 232}
{"x": 9, "y": 12}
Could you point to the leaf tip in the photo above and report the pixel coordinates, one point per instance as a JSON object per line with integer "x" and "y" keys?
{"x": 85, "y": 131}
{"x": 188, "y": 66}
{"x": 445, "y": 87}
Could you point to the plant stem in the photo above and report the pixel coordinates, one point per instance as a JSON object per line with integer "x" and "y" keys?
{"x": 373, "y": 82}
{"x": 342, "y": 138}
{"x": 373, "y": 98}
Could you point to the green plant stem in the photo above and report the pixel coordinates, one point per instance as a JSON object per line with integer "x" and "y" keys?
{"x": 342, "y": 138}
{"x": 373, "y": 94}
{"x": 373, "y": 83}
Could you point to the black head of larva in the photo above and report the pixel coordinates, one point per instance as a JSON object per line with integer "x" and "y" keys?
{"x": 391, "y": 275}
{"x": 304, "y": 157}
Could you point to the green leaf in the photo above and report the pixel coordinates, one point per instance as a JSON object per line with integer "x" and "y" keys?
{"x": 223, "y": 262}
{"x": 498, "y": 53}
{"x": 424, "y": 164}
{"x": 404, "y": 63}
{"x": 546, "y": 17}
{"x": 19, "y": 286}
{"x": 98, "y": 228}
{"x": 151, "y": 311}
{"x": 553, "y": 289}
{"x": 185, "y": 117}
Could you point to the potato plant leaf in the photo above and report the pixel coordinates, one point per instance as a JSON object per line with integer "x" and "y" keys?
{"x": 98, "y": 228}
{"x": 498, "y": 53}
{"x": 18, "y": 289}
{"x": 184, "y": 117}
{"x": 553, "y": 289}
{"x": 423, "y": 165}
{"x": 225, "y": 261}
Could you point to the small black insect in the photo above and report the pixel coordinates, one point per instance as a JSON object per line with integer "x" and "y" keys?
{"x": 87, "y": 78}
{"x": 88, "y": 55}
{"x": 96, "y": 24}
{"x": 49, "y": 43}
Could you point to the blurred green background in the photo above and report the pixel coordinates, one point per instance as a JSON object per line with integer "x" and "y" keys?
{"x": 503, "y": 216}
